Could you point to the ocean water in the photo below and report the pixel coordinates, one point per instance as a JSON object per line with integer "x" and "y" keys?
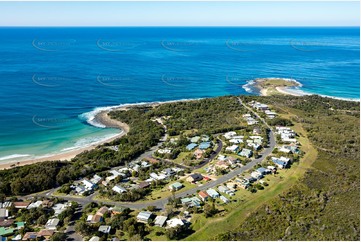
{"x": 54, "y": 80}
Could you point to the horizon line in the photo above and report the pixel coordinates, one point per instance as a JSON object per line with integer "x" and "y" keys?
{"x": 180, "y": 26}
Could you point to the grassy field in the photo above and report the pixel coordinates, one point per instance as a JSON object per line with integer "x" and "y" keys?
{"x": 235, "y": 213}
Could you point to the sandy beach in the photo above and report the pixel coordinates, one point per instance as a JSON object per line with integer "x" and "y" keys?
{"x": 102, "y": 118}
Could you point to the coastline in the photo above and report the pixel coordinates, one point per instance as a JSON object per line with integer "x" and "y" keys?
{"x": 102, "y": 117}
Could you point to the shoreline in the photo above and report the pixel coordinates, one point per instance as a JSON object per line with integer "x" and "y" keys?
{"x": 102, "y": 117}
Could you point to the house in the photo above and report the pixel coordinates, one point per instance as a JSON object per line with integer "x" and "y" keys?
{"x": 174, "y": 222}
{"x": 35, "y": 204}
{"x": 45, "y": 233}
{"x": 263, "y": 171}
{"x": 224, "y": 199}
{"x": 160, "y": 220}
{"x": 143, "y": 185}
{"x": 4, "y": 213}
{"x": 233, "y": 148}
{"x": 191, "y": 202}
{"x": 194, "y": 177}
{"x": 96, "y": 179}
{"x": 144, "y": 216}
{"x": 256, "y": 175}
{"x": 94, "y": 238}
{"x": 222, "y": 164}
{"x": 246, "y": 153}
{"x": 89, "y": 218}
{"x": 165, "y": 151}
{"x": 97, "y": 218}
{"x": 249, "y": 178}
{"x": 104, "y": 229}
{"x": 203, "y": 195}
{"x": 103, "y": 210}
{"x": 157, "y": 177}
{"x": 204, "y": 145}
{"x": 116, "y": 210}
{"x": 169, "y": 172}
{"x": 255, "y": 146}
{"x": 211, "y": 192}
{"x": 175, "y": 186}
{"x": 6, "y": 231}
{"x": 6, "y": 223}
{"x": 223, "y": 189}
{"x": 236, "y": 141}
{"x": 198, "y": 153}
{"x": 243, "y": 183}
{"x": 59, "y": 208}
{"x": 229, "y": 135}
{"x": 88, "y": 184}
{"x": 52, "y": 223}
{"x": 195, "y": 139}
{"x": 30, "y": 236}
{"x": 20, "y": 205}
{"x": 191, "y": 146}
{"x": 205, "y": 138}
{"x": 119, "y": 189}
{"x": 281, "y": 162}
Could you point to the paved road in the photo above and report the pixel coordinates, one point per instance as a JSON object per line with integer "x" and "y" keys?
{"x": 160, "y": 203}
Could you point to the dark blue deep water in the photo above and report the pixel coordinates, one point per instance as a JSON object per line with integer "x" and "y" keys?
{"x": 52, "y": 79}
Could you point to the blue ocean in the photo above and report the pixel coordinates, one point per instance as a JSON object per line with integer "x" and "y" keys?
{"x": 54, "y": 80}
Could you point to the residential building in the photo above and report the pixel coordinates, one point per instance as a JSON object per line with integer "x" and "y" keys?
{"x": 204, "y": 145}
{"x": 213, "y": 193}
{"x": 119, "y": 189}
{"x": 203, "y": 195}
{"x": 175, "y": 186}
{"x": 191, "y": 146}
{"x": 144, "y": 216}
{"x": 246, "y": 153}
{"x": 174, "y": 222}
{"x": 4, "y": 213}
{"x": 198, "y": 154}
{"x": 52, "y": 223}
{"x": 194, "y": 177}
{"x": 224, "y": 199}
{"x": 232, "y": 148}
{"x": 104, "y": 229}
{"x": 160, "y": 221}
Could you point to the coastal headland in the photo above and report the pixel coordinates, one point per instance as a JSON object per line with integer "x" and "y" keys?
{"x": 276, "y": 86}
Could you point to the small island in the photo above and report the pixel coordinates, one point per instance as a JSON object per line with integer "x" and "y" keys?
{"x": 276, "y": 86}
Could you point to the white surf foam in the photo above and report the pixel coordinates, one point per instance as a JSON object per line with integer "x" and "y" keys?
{"x": 14, "y": 156}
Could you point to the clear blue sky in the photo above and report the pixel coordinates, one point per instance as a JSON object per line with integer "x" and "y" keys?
{"x": 179, "y": 13}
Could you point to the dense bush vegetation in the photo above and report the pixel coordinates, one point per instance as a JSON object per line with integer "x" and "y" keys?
{"x": 324, "y": 205}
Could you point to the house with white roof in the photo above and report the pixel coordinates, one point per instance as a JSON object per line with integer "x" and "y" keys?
{"x": 232, "y": 148}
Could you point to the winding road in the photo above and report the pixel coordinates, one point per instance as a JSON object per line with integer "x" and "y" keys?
{"x": 160, "y": 203}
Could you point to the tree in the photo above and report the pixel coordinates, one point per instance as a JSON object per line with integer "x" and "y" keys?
{"x": 59, "y": 237}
